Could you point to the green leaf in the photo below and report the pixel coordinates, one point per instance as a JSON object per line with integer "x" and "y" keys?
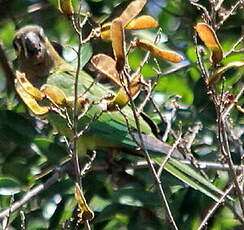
{"x": 135, "y": 197}
{"x": 9, "y": 186}
{"x": 191, "y": 177}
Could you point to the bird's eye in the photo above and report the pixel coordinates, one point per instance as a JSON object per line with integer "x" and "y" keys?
{"x": 16, "y": 44}
{"x": 41, "y": 35}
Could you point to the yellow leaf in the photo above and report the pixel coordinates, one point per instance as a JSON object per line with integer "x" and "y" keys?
{"x": 209, "y": 37}
{"x": 30, "y": 101}
{"x": 122, "y": 98}
{"x": 54, "y": 94}
{"x": 85, "y": 212}
{"x": 167, "y": 55}
{"x": 142, "y": 22}
{"x": 28, "y": 87}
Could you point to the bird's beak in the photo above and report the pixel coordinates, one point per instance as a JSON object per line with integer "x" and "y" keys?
{"x": 32, "y": 45}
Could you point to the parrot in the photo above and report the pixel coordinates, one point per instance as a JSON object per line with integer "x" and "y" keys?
{"x": 41, "y": 63}
{"x": 42, "y": 66}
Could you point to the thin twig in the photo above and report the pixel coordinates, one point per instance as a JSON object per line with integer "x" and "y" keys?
{"x": 160, "y": 170}
{"x": 190, "y": 137}
{"x": 233, "y": 49}
{"x": 205, "y": 11}
{"x": 35, "y": 191}
{"x": 213, "y": 209}
{"x": 77, "y": 26}
{"x": 155, "y": 178}
{"x": 204, "y": 165}
{"x": 87, "y": 225}
{"x": 231, "y": 11}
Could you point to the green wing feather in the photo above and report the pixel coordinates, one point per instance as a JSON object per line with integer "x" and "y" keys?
{"x": 110, "y": 128}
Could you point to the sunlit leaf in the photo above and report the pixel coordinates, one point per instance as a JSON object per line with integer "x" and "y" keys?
{"x": 54, "y": 94}
{"x": 167, "y": 55}
{"x": 28, "y": 87}
{"x": 85, "y": 213}
{"x": 142, "y": 22}
{"x": 209, "y": 37}
{"x": 30, "y": 100}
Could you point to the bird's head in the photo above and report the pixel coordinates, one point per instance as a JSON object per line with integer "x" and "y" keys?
{"x": 35, "y": 54}
{"x": 29, "y": 42}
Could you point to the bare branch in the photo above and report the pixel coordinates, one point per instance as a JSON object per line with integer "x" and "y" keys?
{"x": 214, "y": 208}
{"x": 35, "y": 191}
{"x": 238, "y": 4}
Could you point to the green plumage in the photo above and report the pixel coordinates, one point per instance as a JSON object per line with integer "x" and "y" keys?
{"x": 110, "y": 129}
{"x": 41, "y": 64}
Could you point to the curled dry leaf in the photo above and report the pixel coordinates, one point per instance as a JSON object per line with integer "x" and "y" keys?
{"x": 28, "y": 87}
{"x": 131, "y": 11}
{"x": 117, "y": 32}
{"x": 209, "y": 37}
{"x": 85, "y": 213}
{"x": 126, "y": 18}
{"x": 107, "y": 66}
{"x": 29, "y": 100}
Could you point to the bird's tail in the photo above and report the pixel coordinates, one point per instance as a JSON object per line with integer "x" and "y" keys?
{"x": 153, "y": 144}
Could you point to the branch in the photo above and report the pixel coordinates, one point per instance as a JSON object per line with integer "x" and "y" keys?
{"x": 201, "y": 165}
{"x": 226, "y": 16}
{"x": 213, "y": 209}
{"x": 35, "y": 191}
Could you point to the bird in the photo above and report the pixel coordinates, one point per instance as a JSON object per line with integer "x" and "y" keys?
{"x": 42, "y": 64}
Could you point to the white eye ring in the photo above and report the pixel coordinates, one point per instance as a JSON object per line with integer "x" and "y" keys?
{"x": 42, "y": 35}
